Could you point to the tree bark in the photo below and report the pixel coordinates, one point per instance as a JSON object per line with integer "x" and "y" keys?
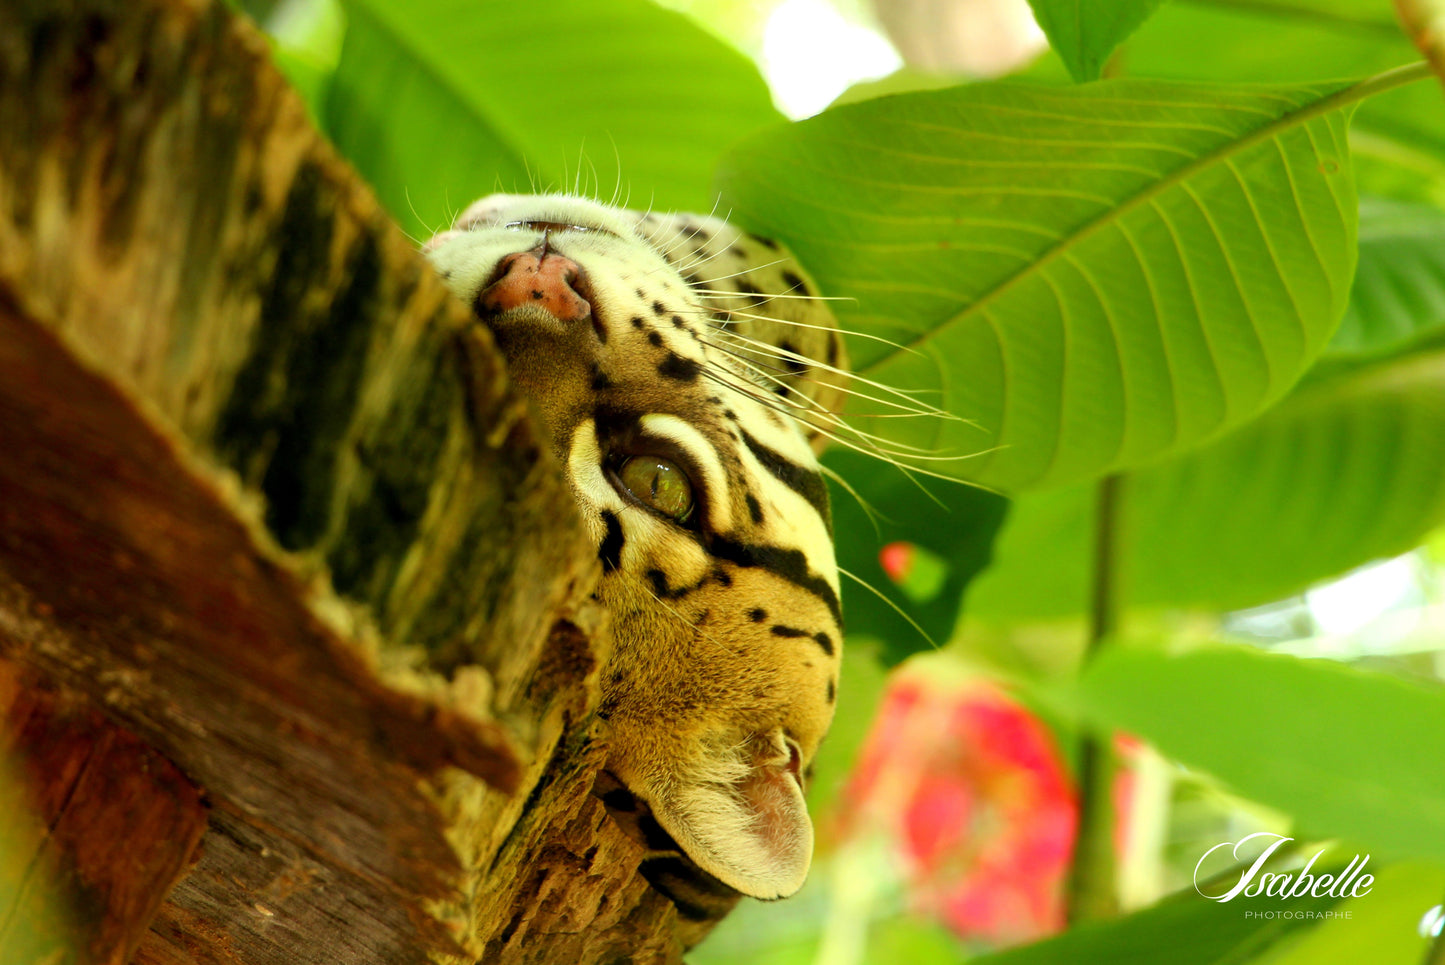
{"x": 297, "y": 651}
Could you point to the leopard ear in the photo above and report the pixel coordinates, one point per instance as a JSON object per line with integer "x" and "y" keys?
{"x": 752, "y": 832}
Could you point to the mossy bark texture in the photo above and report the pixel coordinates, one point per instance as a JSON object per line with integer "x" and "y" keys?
{"x": 297, "y": 658}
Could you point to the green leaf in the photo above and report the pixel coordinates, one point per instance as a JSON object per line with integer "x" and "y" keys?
{"x": 954, "y": 523}
{"x": 1085, "y": 32}
{"x": 1397, "y": 138}
{"x": 1347, "y": 752}
{"x": 438, "y": 102}
{"x": 1096, "y": 276}
{"x": 1237, "y": 523}
{"x": 1382, "y": 927}
{"x": 1399, "y": 289}
{"x": 861, "y": 685}
{"x": 1185, "y": 929}
{"x": 1349, "y": 468}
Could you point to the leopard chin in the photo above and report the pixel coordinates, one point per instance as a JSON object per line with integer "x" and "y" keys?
{"x": 686, "y": 374}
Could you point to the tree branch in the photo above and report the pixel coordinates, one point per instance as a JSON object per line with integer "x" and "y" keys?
{"x": 276, "y": 533}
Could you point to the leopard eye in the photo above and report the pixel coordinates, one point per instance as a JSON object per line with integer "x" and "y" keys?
{"x": 659, "y": 484}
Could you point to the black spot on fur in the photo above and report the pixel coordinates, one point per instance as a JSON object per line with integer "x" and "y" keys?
{"x": 790, "y": 564}
{"x": 755, "y": 508}
{"x": 610, "y": 552}
{"x": 824, "y": 641}
{"x": 655, "y": 339}
{"x": 678, "y": 368}
{"x": 641, "y": 294}
{"x": 730, "y": 414}
{"x": 765, "y": 242}
{"x": 677, "y": 321}
{"x": 832, "y": 691}
{"x": 600, "y": 381}
{"x": 658, "y": 579}
{"x": 754, "y": 295}
{"x": 721, "y": 577}
{"x": 794, "y": 283}
{"x": 833, "y": 351}
{"x": 758, "y": 615}
{"x": 636, "y": 321}
{"x": 795, "y": 366}
{"x": 537, "y": 296}
{"x": 658, "y": 308}
{"x": 804, "y": 482}
{"x": 784, "y": 631}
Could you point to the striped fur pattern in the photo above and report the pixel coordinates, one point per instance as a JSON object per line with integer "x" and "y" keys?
{"x": 649, "y": 340}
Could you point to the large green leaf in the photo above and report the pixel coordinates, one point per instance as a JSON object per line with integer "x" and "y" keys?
{"x": 1399, "y": 289}
{"x": 1182, "y": 930}
{"x": 438, "y": 102}
{"x": 1096, "y": 276}
{"x": 1398, "y": 138}
{"x": 1383, "y": 926}
{"x": 1349, "y": 468}
{"x": 1085, "y": 32}
{"x": 1347, "y": 752}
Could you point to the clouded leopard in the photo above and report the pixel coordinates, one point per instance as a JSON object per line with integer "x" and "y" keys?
{"x": 687, "y": 375}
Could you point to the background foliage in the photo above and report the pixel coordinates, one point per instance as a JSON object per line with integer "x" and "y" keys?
{"x": 1215, "y": 279}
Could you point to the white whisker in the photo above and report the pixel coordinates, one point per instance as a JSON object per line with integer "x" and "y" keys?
{"x": 895, "y": 607}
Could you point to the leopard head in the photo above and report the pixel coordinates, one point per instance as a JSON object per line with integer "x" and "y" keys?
{"x": 686, "y": 377}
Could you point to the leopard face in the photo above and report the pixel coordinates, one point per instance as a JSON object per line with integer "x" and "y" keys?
{"x": 685, "y": 378}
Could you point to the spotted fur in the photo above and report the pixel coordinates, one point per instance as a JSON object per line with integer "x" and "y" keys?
{"x": 681, "y": 338}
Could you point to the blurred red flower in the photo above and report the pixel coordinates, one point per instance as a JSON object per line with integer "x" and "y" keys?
{"x": 970, "y": 786}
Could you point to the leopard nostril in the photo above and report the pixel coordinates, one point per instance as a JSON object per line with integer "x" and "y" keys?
{"x": 540, "y": 277}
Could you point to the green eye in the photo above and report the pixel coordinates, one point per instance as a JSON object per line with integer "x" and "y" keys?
{"x": 658, "y": 483}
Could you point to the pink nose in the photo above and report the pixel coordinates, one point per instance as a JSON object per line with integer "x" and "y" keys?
{"x": 538, "y": 277}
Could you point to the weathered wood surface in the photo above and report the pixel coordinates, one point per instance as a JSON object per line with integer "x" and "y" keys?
{"x": 283, "y": 563}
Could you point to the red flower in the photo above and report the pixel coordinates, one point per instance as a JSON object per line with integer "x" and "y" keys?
{"x": 970, "y": 786}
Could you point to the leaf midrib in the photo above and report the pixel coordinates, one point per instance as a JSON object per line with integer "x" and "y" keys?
{"x": 1343, "y": 97}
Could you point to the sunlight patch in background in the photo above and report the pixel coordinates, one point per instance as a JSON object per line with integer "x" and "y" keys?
{"x": 1352, "y": 602}
{"x": 811, "y": 54}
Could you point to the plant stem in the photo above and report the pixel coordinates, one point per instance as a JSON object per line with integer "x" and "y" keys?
{"x": 1103, "y": 614}
{"x": 1092, "y": 891}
